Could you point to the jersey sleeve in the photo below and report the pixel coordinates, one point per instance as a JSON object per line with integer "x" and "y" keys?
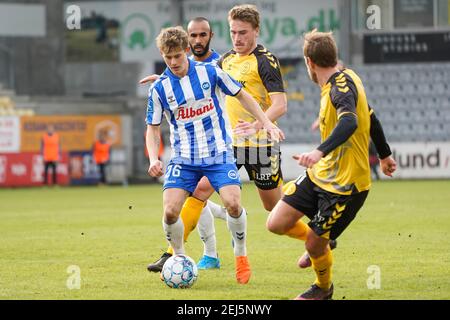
{"x": 270, "y": 73}
{"x": 378, "y": 137}
{"x": 220, "y": 62}
{"x": 154, "y": 108}
{"x": 344, "y": 95}
{"x": 226, "y": 83}
{"x": 344, "y": 129}
{"x": 222, "y": 58}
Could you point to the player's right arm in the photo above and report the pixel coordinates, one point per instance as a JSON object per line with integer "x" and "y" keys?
{"x": 153, "y": 134}
{"x": 153, "y": 138}
{"x": 345, "y": 104}
{"x": 250, "y": 104}
{"x": 231, "y": 87}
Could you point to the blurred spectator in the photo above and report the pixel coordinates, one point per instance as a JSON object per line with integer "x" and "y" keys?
{"x": 101, "y": 29}
{"x": 51, "y": 152}
{"x": 101, "y": 151}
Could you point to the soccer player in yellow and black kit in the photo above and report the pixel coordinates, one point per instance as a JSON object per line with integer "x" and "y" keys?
{"x": 258, "y": 70}
{"x": 337, "y": 181}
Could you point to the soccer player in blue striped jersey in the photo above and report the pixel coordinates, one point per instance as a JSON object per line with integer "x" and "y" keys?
{"x": 199, "y": 37}
{"x": 189, "y": 94}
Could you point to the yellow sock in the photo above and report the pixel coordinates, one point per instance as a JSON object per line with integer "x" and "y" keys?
{"x": 190, "y": 214}
{"x": 299, "y": 231}
{"x": 322, "y": 267}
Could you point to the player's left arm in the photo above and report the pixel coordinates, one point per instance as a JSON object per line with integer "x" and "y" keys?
{"x": 345, "y": 104}
{"x": 387, "y": 162}
{"x": 270, "y": 73}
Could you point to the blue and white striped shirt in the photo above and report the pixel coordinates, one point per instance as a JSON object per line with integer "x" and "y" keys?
{"x": 213, "y": 58}
{"x": 200, "y": 132}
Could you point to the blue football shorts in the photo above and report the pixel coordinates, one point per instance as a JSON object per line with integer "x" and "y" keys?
{"x": 186, "y": 177}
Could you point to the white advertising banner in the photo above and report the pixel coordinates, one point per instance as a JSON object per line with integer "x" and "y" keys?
{"x": 422, "y": 160}
{"x": 26, "y": 20}
{"x": 282, "y": 22}
{"x": 419, "y": 160}
{"x": 9, "y": 134}
{"x": 125, "y": 31}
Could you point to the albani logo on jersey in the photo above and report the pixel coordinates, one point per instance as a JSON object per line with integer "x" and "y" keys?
{"x": 189, "y": 112}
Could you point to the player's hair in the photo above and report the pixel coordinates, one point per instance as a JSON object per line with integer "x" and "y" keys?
{"x": 172, "y": 39}
{"x": 245, "y": 12}
{"x": 321, "y": 48}
{"x": 199, "y": 19}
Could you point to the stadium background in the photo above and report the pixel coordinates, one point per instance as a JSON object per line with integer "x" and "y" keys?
{"x": 85, "y": 80}
{"x": 49, "y": 71}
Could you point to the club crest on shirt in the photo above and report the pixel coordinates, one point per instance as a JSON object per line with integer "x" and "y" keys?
{"x": 205, "y": 86}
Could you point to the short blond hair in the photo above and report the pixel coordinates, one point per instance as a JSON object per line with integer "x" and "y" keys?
{"x": 321, "y": 48}
{"x": 245, "y": 12}
{"x": 172, "y": 39}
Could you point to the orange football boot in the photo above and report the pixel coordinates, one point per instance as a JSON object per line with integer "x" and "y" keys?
{"x": 243, "y": 271}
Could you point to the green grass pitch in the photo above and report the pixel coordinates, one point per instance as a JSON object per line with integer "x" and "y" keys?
{"x": 112, "y": 233}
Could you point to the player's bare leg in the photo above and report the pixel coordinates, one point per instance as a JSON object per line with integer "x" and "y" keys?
{"x": 237, "y": 224}
{"x": 204, "y": 190}
{"x": 269, "y": 198}
{"x": 282, "y": 218}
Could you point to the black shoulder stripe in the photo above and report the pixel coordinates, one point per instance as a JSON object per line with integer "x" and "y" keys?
{"x": 223, "y": 57}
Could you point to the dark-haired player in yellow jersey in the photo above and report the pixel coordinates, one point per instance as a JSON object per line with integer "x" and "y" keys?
{"x": 337, "y": 181}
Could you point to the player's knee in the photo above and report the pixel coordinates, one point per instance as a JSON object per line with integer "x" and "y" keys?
{"x": 269, "y": 206}
{"x": 274, "y": 227}
{"x": 233, "y": 208}
{"x": 203, "y": 190}
{"x": 202, "y": 193}
{"x": 171, "y": 214}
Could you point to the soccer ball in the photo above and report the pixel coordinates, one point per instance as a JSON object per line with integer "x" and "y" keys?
{"x": 179, "y": 272}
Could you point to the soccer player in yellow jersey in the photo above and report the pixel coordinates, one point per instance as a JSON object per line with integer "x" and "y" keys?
{"x": 337, "y": 180}
{"x": 258, "y": 71}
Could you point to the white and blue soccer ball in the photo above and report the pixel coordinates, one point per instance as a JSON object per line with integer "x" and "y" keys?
{"x": 179, "y": 272}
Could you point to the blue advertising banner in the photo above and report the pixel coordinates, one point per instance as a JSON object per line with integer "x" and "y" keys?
{"x": 82, "y": 168}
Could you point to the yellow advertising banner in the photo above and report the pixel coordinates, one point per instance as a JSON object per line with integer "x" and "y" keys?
{"x": 75, "y": 132}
